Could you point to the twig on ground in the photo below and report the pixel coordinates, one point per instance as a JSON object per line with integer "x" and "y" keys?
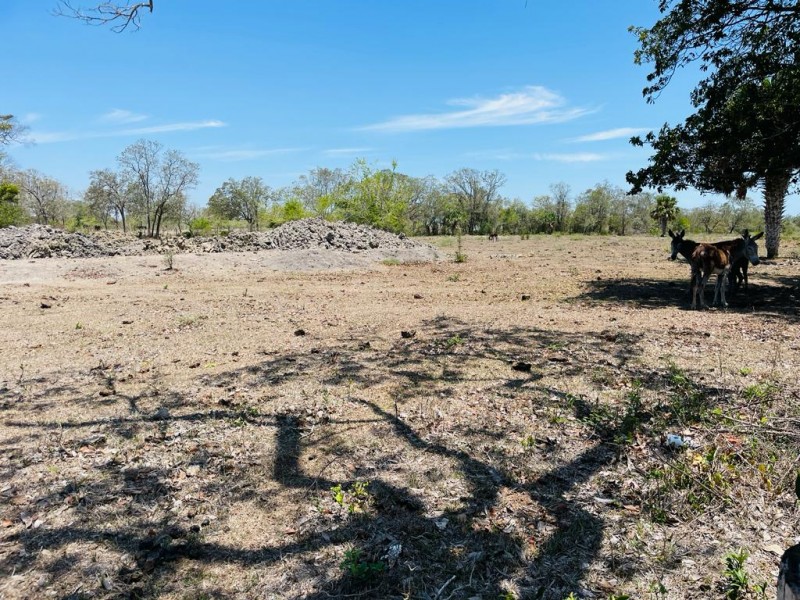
{"x": 441, "y": 589}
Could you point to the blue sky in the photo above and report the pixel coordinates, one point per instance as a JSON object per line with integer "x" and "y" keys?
{"x": 545, "y": 92}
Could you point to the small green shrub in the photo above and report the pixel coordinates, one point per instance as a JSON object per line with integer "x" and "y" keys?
{"x": 454, "y": 341}
{"x": 358, "y": 568}
{"x": 737, "y": 579}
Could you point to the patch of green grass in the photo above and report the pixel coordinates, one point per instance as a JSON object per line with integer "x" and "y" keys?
{"x": 338, "y": 494}
{"x": 359, "y": 568}
{"x": 391, "y": 262}
{"x": 691, "y": 483}
{"x": 686, "y": 403}
{"x": 620, "y": 423}
{"x": 356, "y": 499}
{"x": 454, "y": 341}
{"x": 658, "y": 590}
{"x": 760, "y": 392}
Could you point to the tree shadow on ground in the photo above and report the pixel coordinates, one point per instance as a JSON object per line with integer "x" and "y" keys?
{"x": 779, "y": 297}
{"x": 460, "y": 551}
{"x": 645, "y": 293}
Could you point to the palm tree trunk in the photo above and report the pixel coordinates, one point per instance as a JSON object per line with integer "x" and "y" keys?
{"x": 775, "y": 188}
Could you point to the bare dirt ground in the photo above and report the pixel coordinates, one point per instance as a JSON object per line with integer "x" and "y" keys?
{"x": 313, "y": 424}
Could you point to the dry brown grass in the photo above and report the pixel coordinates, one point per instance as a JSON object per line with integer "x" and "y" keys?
{"x": 169, "y": 434}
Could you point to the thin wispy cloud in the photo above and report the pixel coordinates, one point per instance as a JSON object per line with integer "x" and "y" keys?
{"x": 187, "y": 126}
{"x": 51, "y": 137}
{"x": 242, "y": 154}
{"x": 611, "y": 134}
{"x": 576, "y": 157}
{"x": 532, "y": 105}
{"x": 29, "y": 118}
{"x": 509, "y": 155}
{"x": 347, "y": 151}
{"x": 121, "y": 117}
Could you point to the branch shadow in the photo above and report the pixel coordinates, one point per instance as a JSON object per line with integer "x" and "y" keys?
{"x": 461, "y": 549}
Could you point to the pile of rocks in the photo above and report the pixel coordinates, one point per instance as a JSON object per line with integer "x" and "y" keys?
{"x": 37, "y": 241}
{"x": 40, "y": 241}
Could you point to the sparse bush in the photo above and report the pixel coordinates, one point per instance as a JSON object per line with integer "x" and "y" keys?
{"x": 169, "y": 260}
{"x": 358, "y": 568}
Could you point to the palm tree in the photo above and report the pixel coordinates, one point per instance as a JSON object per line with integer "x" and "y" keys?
{"x": 665, "y": 211}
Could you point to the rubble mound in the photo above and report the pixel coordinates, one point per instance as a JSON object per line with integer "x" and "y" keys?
{"x": 41, "y": 241}
{"x": 305, "y": 234}
{"x": 37, "y": 241}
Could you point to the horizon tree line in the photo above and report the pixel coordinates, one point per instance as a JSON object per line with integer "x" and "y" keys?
{"x": 147, "y": 192}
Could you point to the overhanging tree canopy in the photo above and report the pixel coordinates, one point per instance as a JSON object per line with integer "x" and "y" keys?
{"x": 747, "y": 126}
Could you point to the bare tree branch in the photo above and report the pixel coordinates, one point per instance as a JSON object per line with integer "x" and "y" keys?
{"x": 122, "y": 15}
{"x": 11, "y": 130}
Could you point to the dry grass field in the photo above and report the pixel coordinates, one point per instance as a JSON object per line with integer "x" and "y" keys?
{"x": 286, "y": 425}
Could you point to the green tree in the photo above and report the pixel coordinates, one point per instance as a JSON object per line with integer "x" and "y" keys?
{"x": 739, "y": 212}
{"x": 514, "y": 217}
{"x": 543, "y": 216}
{"x": 562, "y": 204}
{"x": 630, "y": 213}
{"x": 593, "y": 209}
{"x": 10, "y": 211}
{"x": 243, "y": 199}
{"x": 707, "y": 217}
{"x": 747, "y": 98}
{"x": 643, "y": 205}
{"x": 321, "y": 189}
{"x": 665, "y": 210}
{"x": 475, "y": 191}
{"x": 292, "y": 210}
{"x": 431, "y": 214}
{"x": 381, "y": 198}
